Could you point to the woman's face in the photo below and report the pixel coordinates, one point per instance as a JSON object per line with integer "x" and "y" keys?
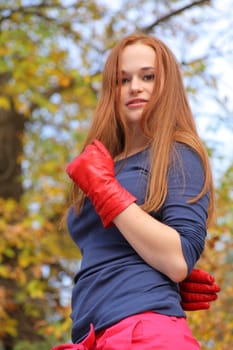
{"x": 138, "y": 75}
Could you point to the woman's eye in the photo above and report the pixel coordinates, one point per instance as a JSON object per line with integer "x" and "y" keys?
{"x": 124, "y": 80}
{"x": 149, "y": 77}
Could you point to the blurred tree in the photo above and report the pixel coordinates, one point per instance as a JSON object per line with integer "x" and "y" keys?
{"x": 51, "y": 54}
{"x": 39, "y": 96}
{"x": 214, "y": 328}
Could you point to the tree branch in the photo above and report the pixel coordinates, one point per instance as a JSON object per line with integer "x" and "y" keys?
{"x": 166, "y": 17}
{"x": 35, "y": 10}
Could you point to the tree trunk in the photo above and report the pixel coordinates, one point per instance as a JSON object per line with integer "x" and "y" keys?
{"x": 8, "y": 343}
{"x": 11, "y": 131}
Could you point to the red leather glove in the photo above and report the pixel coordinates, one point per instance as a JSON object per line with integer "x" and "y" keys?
{"x": 93, "y": 172}
{"x": 197, "y": 290}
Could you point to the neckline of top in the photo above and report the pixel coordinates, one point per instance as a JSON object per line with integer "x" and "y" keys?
{"x": 132, "y": 155}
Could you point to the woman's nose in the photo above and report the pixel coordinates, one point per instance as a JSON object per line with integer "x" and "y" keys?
{"x": 135, "y": 85}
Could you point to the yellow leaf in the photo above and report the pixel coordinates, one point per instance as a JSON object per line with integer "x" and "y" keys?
{"x": 4, "y": 103}
{"x": 35, "y": 288}
{"x": 4, "y": 271}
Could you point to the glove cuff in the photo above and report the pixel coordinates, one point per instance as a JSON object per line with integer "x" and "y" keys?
{"x": 115, "y": 199}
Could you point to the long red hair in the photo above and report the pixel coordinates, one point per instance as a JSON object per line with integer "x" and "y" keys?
{"x": 167, "y": 118}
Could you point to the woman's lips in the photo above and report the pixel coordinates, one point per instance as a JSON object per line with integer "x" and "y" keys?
{"x": 137, "y": 102}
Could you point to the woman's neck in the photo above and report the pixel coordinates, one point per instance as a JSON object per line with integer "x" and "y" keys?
{"x": 135, "y": 146}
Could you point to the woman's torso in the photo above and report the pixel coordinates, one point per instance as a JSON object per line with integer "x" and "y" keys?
{"x": 113, "y": 281}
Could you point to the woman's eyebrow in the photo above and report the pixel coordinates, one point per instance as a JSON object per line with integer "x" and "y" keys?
{"x": 143, "y": 69}
{"x": 148, "y": 68}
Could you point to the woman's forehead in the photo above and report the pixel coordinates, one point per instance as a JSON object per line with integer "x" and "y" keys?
{"x": 137, "y": 56}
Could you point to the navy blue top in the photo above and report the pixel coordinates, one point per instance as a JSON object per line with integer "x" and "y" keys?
{"x": 113, "y": 281}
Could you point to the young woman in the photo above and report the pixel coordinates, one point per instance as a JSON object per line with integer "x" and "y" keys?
{"x": 143, "y": 199}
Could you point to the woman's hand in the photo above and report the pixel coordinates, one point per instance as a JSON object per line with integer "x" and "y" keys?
{"x": 198, "y": 290}
{"x": 93, "y": 172}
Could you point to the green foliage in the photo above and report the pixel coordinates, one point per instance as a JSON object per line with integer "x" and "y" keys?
{"x": 24, "y": 345}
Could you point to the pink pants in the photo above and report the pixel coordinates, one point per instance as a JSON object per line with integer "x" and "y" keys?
{"x": 145, "y": 331}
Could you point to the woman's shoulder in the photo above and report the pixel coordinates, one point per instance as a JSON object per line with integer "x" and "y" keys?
{"x": 186, "y": 160}
{"x": 184, "y": 152}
